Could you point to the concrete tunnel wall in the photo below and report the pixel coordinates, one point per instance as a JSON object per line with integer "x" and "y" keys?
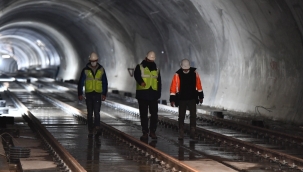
{"x": 248, "y": 52}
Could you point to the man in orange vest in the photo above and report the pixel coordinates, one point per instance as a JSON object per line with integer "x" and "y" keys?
{"x": 185, "y": 88}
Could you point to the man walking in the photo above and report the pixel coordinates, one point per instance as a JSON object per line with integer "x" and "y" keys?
{"x": 93, "y": 77}
{"x": 184, "y": 86}
{"x": 148, "y": 91}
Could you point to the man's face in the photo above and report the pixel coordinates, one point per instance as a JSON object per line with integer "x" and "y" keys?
{"x": 185, "y": 70}
{"x": 93, "y": 62}
{"x": 149, "y": 60}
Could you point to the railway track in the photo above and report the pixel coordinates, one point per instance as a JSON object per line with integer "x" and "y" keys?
{"x": 254, "y": 144}
{"x": 251, "y": 149}
{"x": 66, "y": 158}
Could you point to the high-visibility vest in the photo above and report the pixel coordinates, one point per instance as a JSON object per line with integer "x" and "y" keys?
{"x": 150, "y": 78}
{"x": 93, "y": 83}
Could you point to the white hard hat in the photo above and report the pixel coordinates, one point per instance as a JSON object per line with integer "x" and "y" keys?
{"x": 185, "y": 64}
{"x": 93, "y": 57}
{"x": 151, "y": 56}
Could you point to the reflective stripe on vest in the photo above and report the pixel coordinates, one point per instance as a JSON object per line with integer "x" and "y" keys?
{"x": 93, "y": 83}
{"x": 150, "y": 79}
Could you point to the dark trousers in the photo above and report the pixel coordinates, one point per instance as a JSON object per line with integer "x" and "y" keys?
{"x": 191, "y": 105}
{"x": 152, "y": 106}
{"x": 93, "y": 104}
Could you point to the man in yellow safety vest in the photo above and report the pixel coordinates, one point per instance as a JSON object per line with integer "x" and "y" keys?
{"x": 93, "y": 78}
{"x": 148, "y": 91}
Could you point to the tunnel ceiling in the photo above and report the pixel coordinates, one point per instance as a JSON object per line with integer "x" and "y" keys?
{"x": 248, "y": 52}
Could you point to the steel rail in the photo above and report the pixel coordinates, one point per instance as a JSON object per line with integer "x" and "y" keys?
{"x": 249, "y": 128}
{"x": 282, "y": 158}
{"x": 155, "y": 153}
{"x": 172, "y": 162}
{"x": 67, "y": 158}
{"x": 253, "y": 129}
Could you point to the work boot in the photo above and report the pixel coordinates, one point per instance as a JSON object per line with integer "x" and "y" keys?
{"x": 144, "y": 136}
{"x": 153, "y": 135}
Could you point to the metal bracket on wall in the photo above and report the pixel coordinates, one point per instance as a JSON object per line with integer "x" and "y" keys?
{"x": 131, "y": 71}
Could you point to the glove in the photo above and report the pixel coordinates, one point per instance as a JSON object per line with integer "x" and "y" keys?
{"x": 172, "y": 98}
{"x": 201, "y": 95}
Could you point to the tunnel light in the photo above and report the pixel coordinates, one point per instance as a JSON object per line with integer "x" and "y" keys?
{"x": 7, "y": 79}
{"x": 33, "y": 79}
{"x": 4, "y": 86}
{"x": 21, "y": 79}
{"x": 47, "y": 79}
{"x": 30, "y": 88}
{"x": 5, "y": 56}
{"x": 3, "y": 89}
{"x": 40, "y": 43}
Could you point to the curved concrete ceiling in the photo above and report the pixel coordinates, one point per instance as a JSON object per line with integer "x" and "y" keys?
{"x": 248, "y": 52}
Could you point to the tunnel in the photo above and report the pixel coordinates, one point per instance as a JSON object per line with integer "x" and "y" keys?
{"x": 248, "y": 53}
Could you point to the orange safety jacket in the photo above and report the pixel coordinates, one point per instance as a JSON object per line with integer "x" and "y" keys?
{"x": 175, "y": 84}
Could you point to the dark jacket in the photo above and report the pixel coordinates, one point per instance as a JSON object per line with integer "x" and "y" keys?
{"x": 148, "y": 94}
{"x": 186, "y": 86}
{"x": 83, "y": 78}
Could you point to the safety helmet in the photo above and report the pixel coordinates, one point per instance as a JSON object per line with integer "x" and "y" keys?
{"x": 93, "y": 57}
{"x": 185, "y": 64}
{"x": 151, "y": 56}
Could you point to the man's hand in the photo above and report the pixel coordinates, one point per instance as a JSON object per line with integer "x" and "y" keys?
{"x": 80, "y": 97}
{"x": 143, "y": 84}
{"x": 172, "y": 104}
{"x": 201, "y": 101}
{"x": 103, "y": 97}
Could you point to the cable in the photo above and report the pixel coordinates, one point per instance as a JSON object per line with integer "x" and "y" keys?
{"x": 9, "y": 135}
{"x": 267, "y": 109}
